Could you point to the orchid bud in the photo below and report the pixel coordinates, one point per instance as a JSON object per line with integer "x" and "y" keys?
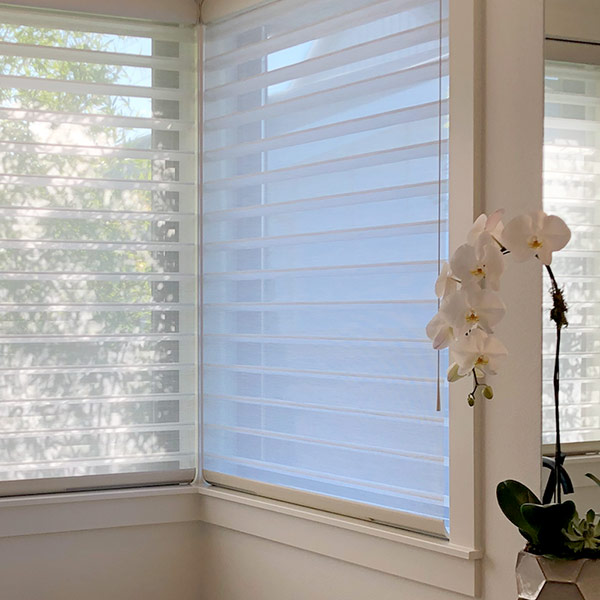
{"x": 488, "y": 392}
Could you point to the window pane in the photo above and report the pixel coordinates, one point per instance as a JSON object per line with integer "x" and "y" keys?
{"x": 325, "y": 218}
{"x": 572, "y": 190}
{"x": 97, "y": 265}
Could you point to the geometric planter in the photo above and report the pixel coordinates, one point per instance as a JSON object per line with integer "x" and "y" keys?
{"x": 540, "y": 578}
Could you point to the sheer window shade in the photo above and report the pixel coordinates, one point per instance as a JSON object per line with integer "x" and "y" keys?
{"x": 324, "y": 210}
{"x": 97, "y": 260}
{"x": 572, "y": 189}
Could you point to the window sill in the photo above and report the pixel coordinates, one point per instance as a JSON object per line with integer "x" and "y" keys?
{"x": 81, "y": 511}
{"x": 578, "y": 466}
{"x": 412, "y": 556}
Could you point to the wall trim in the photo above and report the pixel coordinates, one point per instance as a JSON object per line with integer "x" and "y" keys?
{"x": 389, "y": 550}
{"x": 59, "y": 513}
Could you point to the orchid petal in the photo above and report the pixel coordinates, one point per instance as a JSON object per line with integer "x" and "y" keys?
{"x": 477, "y": 228}
{"x": 487, "y": 305}
{"x": 470, "y": 267}
{"x": 495, "y": 351}
{"x": 466, "y": 366}
{"x": 464, "y": 263}
{"x": 544, "y": 253}
{"x": 482, "y": 243}
{"x": 443, "y": 338}
{"x": 456, "y": 312}
{"x": 494, "y": 222}
{"x": 465, "y": 352}
{"x": 516, "y": 236}
{"x": 434, "y": 326}
{"x": 493, "y": 265}
{"x": 555, "y": 235}
{"x": 440, "y": 332}
{"x": 452, "y": 374}
{"x": 537, "y": 220}
{"x": 478, "y": 350}
{"x": 484, "y": 224}
{"x": 536, "y": 234}
{"x": 472, "y": 307}
{"x": 445, "y": 283}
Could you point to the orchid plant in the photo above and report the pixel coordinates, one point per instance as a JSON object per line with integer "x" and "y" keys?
{"x": 468, "y": 286}
{"x": 470, "y": 307}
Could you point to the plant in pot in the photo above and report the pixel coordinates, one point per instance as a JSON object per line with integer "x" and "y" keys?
{"x": 561, "y": 559}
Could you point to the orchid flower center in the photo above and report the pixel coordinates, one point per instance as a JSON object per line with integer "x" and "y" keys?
{"x": 481, "y": 360}
{"x": 478, "y": 271}
{"x": 472, "y": 317}
{"x": 534, "y": 243}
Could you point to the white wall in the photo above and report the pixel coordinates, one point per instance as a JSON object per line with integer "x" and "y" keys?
{"x": 237, "y": 566}
{"x": 156, "y": 562}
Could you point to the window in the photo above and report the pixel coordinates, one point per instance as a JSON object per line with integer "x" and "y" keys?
{"x": 97, "y": 259}
{"x": 325, "y": 211}
{"x": 572, "y": 189}
{"x": 325, "y": 222}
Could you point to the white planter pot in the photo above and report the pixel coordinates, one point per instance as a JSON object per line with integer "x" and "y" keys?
{"x": 540, "y": 578}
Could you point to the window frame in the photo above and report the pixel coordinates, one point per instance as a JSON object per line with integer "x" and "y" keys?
{"x": 464, "y": 40}
{"x": 465, "y": 183}
{"x": 120, "y": 24}
{"x": 572, "y": 43}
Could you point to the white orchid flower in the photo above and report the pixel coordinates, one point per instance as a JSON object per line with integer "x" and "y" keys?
{"x": 452, "y": 374}
{"x": 470, "y": 267}
{"x": 492, "y": 225}
{"x": 472, "y": 307}
{"x": 535, "y": 234}
{"x": 478, "y": 350}
{"x": 440, "y": 332}
{"x": 445, "y": 284}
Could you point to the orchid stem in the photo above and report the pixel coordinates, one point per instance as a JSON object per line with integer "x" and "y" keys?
{"x": 558, "y": 316}
{"x": 477, "y": 384}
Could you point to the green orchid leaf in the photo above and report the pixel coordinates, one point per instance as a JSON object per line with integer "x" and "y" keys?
{"x": 548, "y": 521}
{"x": 593, "y": 478}
{"x": 554, "y": 516}
{"x": 528, "y": 537}
{"x": 511, "y": 496}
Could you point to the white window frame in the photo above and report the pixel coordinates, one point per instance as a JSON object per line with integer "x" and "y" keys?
{"x": 175, "y": 11}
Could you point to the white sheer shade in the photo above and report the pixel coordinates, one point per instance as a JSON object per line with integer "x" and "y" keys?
{"x": 97, "y": 259}
{"x": 325, "y": 217}
{"x": 572, "y": 190}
